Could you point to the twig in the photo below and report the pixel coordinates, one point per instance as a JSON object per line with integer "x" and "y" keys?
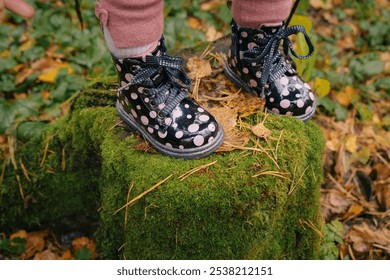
{"x": 311, "y": 225}
{"x": 257, "y": 145}
{"x": 196, "y": 169}
{"x": 127, "y": 201}
{"x": 3, "y": 170}
{"x": 24, "y": 170}
{"x": 277, "y": 144}
{"x": 381, "y": 247}
{"x": 382, "y": 159}
{"x": 115, "y": 125}
{"x": 293, "y": 186}
{"x": 272, "y": 173}
{"x": 45, "y": 151}
{"x": 12, "y": 151}
{"x": 63, "y": 161}
{"x": 142, "y": 194}
{"x": 351, "y": 252}
{"x": 20, "y": 186}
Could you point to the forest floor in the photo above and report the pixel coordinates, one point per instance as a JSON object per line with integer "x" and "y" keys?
{"x": 40, "y": 69}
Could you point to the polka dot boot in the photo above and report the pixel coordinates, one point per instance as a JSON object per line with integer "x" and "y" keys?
{"x": 256, "y": 64}
{"x": 153, "y": 99}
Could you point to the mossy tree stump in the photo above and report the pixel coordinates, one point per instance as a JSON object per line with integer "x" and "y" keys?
{"x": 82, "y": 167}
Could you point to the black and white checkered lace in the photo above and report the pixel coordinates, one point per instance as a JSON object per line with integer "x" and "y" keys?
{"x": 171, "y": 91}
{"x": 274, "y": 63}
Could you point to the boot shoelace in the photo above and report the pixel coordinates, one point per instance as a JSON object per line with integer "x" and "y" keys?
{"x": 174, "y": 88}
{"x": 274, "y": 63}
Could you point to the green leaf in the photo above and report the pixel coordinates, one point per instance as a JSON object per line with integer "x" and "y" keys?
{"x": 7, "y": 83}
{"x": 7, "y": 115}
{"x": 30, "y": 130}
{"x": 341, "y": 112}
{"x": 7, "y": 63}
{"x": 83, "y": 254}
{"x": 374, "y": 67}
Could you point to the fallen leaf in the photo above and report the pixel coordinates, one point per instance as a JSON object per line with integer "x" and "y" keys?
{"x": 84, "y": 242}
{"x": 194, "y": 23}
{"x": 212, "y": 34}
{"x": 209, "y": 5}
{"x": 247, "y": 104}
{"x": 353, "y": 211}
{"x": 321, "y": 4}
{"x": 27, "y": 45}
{"x": 351, "y": 143}
{"x": 22, "y": 76}
{"x": 19, "y": 234}
{"x": 67, "y": 255}
{"x": 261, "y": 131}
{"x": 46, "y": 255}
{"x": 321, "y": 87}
{"x": 225, "y": 116}
{"x": 50, "y": 75}
{"x": 347, "y": 95}
{"x": 35, "y": 243}
{"x": 198, "y": 68}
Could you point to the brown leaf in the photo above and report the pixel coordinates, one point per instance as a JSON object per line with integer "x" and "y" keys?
{"x": 35, "y": 243}
{"x": 212, "y": 34}
{"x": 382, "y": 194}
{"x": 321, "y": 4}
{"x": 353, "y": 211}
{"x": 209, "y": 5}
{"x": 194, "y": 23}
{"x": 261, "y": 131}
{"x": 225, "y": 116}
{"x": 198, "y": 68}
{"x": 347, "y": 95}
{"x": 19, "y": 234}
{"x": 364, "y": 238}
{"x": 67, "y": 255}
{"x": 22, "y": 76}
{"x": 234, "y": 140}
{"x": 84, "y": 242}
{"x": 46, "y": 255}
{"x": 247, "y": 104}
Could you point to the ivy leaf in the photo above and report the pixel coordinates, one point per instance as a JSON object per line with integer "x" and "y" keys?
{"x": 7, "y": 115}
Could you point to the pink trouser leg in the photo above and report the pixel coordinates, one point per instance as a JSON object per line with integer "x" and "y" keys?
{"x": 255, "y": 13}
{"x": 132, "y": 23}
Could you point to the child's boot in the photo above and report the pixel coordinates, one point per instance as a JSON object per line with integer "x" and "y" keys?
{"x": 256, "y": 64}
{"x": 153, "y": 99}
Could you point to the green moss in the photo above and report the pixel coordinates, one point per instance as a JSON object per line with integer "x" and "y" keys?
{"x": 221, "y": 212}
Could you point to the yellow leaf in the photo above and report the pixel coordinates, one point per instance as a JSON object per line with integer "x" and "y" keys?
{"x": 302, "y": 20}
{"x": 194, "y": 23}
{"x": 322, "y": 87}
{"x": 50, "y": 75}
{"x": 26, "y": 45}
{"x": 346, "y": 96}
{"x": 351, "y": 144}
{"x": 5, "y": 54}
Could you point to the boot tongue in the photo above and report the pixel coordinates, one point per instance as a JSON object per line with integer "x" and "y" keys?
{"x": 250, "y": 38}
{"x": 270, "y": 30}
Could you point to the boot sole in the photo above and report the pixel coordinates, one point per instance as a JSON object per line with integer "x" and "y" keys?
{"x": 237, "y": 80}
{"x": 193, "y": 153}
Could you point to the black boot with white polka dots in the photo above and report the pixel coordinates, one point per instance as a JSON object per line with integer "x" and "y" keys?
{"x": 256, "y": 64}
{"x": 153, "y": 99}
